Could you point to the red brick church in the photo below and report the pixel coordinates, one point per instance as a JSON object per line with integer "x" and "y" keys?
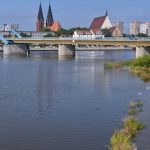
{"x": 49, "y": 23}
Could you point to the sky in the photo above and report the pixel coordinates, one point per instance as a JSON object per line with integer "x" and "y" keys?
{"x": 73, "y": 13}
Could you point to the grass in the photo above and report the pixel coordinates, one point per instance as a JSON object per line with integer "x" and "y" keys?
{"x": 139, "y": 103}
{"x": 118, "y": 64}
{"x": 122, "y": 139}
{"x": 132, "y": 111}
{"x": 132, "y": 125}
{"x": 135, "y": 107}
{"x": 142, "y": 72}
{"x": 139, "y": 66}
{"x": 132, "y": 104}
{"x": 143, "y": 61}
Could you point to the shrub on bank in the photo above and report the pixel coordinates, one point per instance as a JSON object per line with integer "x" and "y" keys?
{"x": 143, "y": 61}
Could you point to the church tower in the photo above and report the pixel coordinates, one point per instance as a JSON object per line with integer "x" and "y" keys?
{"x": 49, "y": 20}
{"x": 106, "y": 14}
{"x": 40, "y": 20}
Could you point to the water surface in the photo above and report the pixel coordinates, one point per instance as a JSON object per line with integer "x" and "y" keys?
{"x": 47, "y": 103}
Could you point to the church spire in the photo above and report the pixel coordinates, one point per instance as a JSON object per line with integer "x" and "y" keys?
{"x": 49, "y": 20}
{"x": 40, "y": 19}
{"x": 106, "y": 13}
{"x": 40, "y": 14}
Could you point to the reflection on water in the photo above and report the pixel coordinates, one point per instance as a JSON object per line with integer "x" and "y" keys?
{"x": 54, "y": 104}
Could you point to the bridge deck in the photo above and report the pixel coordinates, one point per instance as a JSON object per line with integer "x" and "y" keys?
{"x": 107, "y": 41}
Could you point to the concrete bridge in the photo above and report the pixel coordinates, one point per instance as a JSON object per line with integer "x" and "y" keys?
{"x": 67, "y": 45}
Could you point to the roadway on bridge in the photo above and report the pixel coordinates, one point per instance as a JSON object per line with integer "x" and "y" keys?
{"x": 62, "y": 41}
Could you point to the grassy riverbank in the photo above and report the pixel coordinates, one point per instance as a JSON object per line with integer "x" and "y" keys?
{"x": 139, "y": 66}
{"x": 122, "y": 138}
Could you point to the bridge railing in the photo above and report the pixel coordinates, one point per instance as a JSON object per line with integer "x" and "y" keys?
{"x": 84, "y": 39}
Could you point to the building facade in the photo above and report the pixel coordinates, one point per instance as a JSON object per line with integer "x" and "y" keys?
{"x": 145, "y": 28}
{"x": 135, "y": 28}
{"x": 87, "y": 34}
{"x": 8, "y": 27}
{"x": 119, "y": 28}
{"x": 33, "y": 34}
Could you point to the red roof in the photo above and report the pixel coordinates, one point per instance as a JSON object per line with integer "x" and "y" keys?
{"x": 97, "y": 23}
{"x": 96, "y": 32}
{"x": 55, "y": 26}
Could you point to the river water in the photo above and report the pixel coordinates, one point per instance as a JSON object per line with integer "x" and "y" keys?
{"x": 47, "y": 103}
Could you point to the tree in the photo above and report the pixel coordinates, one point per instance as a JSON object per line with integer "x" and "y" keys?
{"x": 46, "y": 30}
{"x": 141, "y": 35}
{"x": 49, "y": 35}
{"x": 71, "y": 30}
{"x": 24, "y": 35}
{"x": 106, "y": 32}
{"x": 62, "y": 31}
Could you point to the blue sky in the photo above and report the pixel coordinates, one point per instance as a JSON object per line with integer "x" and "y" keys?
{"x": 72, "y": 13}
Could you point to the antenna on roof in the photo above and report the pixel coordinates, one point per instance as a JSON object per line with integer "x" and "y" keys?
{"x": 106, "y": 13}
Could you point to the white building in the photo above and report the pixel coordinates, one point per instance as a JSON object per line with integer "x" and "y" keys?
{"x": 8, "y": 27}
{"x": 82, "y": 34}
{"x": 97, "y": 34}
{"x": 135, "y": 27}
{"x": 28, "y": 33}
{"x": 145, "y": 28}
{"x": 87, "y": 34}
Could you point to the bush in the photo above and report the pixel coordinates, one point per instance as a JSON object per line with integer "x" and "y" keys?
{"x": 143, "y": 61}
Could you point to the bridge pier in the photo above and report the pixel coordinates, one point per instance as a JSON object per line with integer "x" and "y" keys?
{"x": 16, "y": 49}
{"x": 66, "y": 51}
{"x": 141, "y": 51}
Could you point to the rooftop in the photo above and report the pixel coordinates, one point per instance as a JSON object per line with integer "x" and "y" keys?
{"x": 98, "y": 22}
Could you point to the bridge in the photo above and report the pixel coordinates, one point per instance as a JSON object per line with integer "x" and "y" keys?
{"x": 112, "y": 41}
{"x": 67, "y": 44}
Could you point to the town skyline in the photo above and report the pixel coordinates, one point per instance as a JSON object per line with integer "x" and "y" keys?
{"x": 116, "y": 9}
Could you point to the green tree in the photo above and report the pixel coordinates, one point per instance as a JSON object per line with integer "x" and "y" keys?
{"x": 141, "y": 35}
{"x": 46, "y": 30}
{"x": 71, "y": 30}
{"x": 49, "y": 35}
{"x": 24, "y": 35}
{"x": 106, "y": 32}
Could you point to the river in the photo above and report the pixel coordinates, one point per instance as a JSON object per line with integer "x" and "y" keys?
{"x": 47, "y": 103}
